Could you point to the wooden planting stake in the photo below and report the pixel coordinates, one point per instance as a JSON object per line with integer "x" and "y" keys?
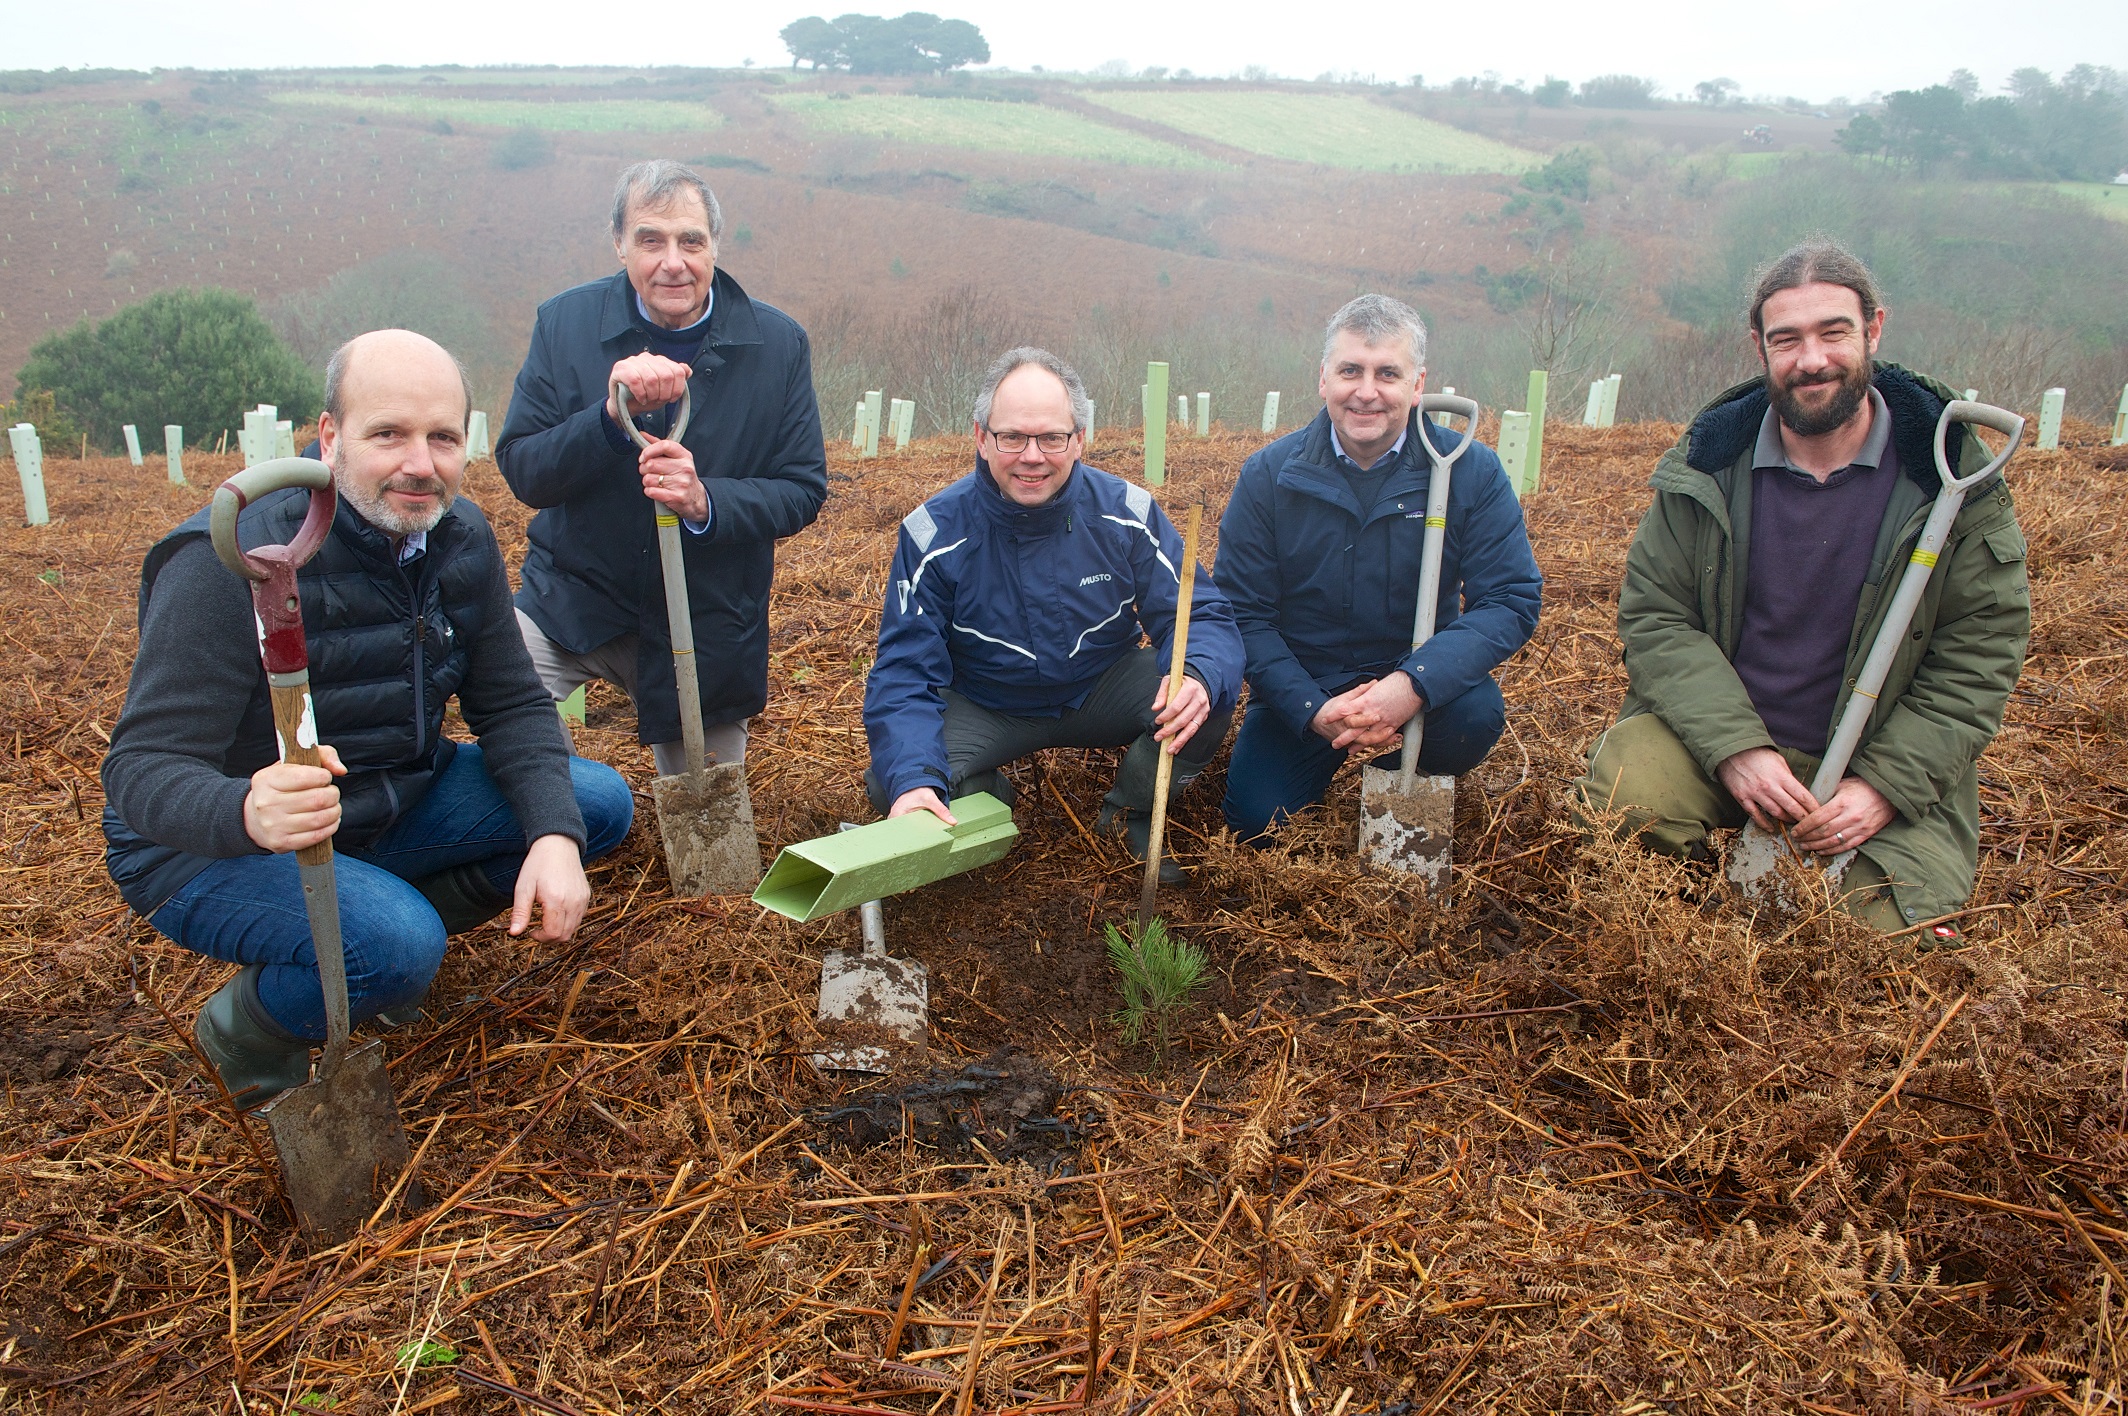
{"x": 1204, "y": 415}
{"x": 2050, "y": 416}
{"x": 174, "y": 453}
{"x": 874, "y": 403}
{"x": 1156, "y": 424}
{"x": 29, "y": 466}
{"x": 1270, "y": 413}
{"x": 1533, "y": 462}
{"x": 1514, "y": 449}
{"x": 132, "y": 444}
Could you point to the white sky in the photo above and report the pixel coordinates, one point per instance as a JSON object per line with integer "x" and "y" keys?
{"x": 1817, "y": 49}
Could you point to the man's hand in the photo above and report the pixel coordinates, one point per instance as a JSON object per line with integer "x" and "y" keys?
{"x": 669, "y": 480}
{"x": 653, "y": 381}
{"x": 1180, "y": 720}
{"x": 1759, "y": 779}
{"x": 921, "y": 799}
{"x": 1369, "y": 715}
{"x": 290, "y": 807}
{"x": 553, "y": 878}
{"x": 1856, "y": 812}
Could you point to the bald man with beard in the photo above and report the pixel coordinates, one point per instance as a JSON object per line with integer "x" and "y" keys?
{"x": 405, "y": 606}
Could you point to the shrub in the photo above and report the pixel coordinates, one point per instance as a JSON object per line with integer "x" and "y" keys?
{"x": 523, "y": 148}
{"x": 195, "y": 357}
{"x": 56, "y": 428}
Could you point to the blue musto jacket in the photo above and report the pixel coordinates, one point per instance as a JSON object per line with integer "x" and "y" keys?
{"x": 591, "y": 570}
{"x": 1022, "y": 609}
{"x": 1324, "y": 598}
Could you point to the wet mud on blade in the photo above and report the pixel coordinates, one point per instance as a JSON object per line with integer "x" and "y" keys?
{"x": 706, "y": 821}
{"x": 1411, "y": 832}
{"x": 340, "y": 1144}
{"x": 861, "y": 993}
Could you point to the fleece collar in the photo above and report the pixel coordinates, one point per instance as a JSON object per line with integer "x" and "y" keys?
{"x": 1729, "y": 426}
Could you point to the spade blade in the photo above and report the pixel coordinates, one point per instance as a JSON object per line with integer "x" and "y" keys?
{"x": 341, "y": 1144}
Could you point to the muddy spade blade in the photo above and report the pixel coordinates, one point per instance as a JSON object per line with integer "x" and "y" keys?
{"x": 706, "y": 820}
{"x": 338, "y": 1137}
{"x": 880, "y": 1001}
{"x": 1408, "y": 830}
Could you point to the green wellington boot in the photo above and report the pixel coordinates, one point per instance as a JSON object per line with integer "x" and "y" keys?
{"x": 257, "y": 1058}
{"x": 463, "y": 897}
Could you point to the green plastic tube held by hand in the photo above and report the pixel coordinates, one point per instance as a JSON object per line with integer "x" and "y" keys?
{"x": 817, "y": 878}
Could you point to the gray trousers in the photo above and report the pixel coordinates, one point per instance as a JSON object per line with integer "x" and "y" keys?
{"x": 1118, "y": 711}
{"x": 614, "y": 661}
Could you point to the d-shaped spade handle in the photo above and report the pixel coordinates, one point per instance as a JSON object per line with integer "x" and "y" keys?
{"x": 248, "y": 486}
{"x": 1456, "y": 406}
{"x": 2002, "y": 420}
{"x": 679, "y": 424}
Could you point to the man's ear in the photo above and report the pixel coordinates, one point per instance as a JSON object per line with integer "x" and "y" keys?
{"x": 1876, "y": 327}
{"x": 328, "y": 437}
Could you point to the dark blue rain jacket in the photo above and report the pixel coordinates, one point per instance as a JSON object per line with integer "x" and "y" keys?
{"x": 1022, "y": 609}
{"x": 1325, "y": 592}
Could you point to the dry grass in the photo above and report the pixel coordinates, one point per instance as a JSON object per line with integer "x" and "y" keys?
{"x": 1582, "y": 1137}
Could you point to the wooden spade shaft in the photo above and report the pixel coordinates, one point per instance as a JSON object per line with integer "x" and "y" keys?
{"x": 1166, "y": 772}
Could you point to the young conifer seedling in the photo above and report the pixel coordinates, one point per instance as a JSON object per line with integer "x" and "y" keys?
{"x": 1158, "y": 973}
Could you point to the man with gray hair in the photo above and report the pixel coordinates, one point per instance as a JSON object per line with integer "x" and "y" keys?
{"x": 1319, "y": 552}
{"x": 748, "y": 470}
{"x": 1014, "y": 609}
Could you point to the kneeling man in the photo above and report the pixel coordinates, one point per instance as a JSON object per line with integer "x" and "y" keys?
{"x": 405, "y": 606}
{"x": 1319, "y": 552}
{"x": 1017, "y": 599}
{"x": 1756, "y": 584}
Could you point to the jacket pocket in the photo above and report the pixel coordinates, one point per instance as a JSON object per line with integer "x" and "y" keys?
{"x": 2007, "y": 545}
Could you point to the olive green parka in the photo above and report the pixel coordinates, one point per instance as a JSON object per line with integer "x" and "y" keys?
{"x": 1680, "y": 612}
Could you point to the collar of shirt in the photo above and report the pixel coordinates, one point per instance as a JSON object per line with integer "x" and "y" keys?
{"x": 699, "y": 325}
{"x": 414, "y": 543}
{"x": 1770, "y": 453}
{"x": 1386, "y": 458}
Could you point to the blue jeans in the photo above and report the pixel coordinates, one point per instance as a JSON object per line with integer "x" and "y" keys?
{"x": 249, "y": 909}
{"x": 1274, "y": 773}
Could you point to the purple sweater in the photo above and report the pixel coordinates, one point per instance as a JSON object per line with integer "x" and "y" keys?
{"x": 1811, "y": 544}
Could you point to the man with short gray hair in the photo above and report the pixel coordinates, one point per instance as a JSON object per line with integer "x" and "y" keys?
{"x": 1014, "y": 609}
{"x": 749, "y": 469}
{"x": 1319, "y": 552}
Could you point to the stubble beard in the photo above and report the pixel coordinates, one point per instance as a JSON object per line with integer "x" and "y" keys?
{"x": 1851, "y": 390}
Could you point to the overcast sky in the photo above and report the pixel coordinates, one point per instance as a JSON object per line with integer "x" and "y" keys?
{"x": 1817, "y": 49}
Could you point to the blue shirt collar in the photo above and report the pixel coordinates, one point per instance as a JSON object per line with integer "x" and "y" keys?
{"x": 1386, "y": 458}
{"x": 699, "y": 326}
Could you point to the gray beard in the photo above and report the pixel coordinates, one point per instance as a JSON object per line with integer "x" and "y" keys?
{"x": 379, "y": 513}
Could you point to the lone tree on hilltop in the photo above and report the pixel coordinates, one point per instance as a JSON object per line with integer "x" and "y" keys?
{"x": 914, "y": 43}
{"x": 193, "y": 357}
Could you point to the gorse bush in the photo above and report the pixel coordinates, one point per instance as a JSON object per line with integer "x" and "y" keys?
{"x": 192, "y": 357}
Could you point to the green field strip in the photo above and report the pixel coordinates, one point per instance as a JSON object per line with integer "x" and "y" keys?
{"x": 616, "y": 115}
{"x": 1029, "y": 128}
{"x": 1335, "y": 130}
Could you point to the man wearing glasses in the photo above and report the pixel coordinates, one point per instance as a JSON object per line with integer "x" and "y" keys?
{"x": 1016, "y": 603}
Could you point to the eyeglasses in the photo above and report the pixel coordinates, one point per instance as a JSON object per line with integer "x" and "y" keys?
{"x": 1017, "y": 442}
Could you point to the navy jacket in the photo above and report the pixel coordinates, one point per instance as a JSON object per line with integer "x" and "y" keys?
{"x": 389, "y": 645}
{"x": 591, "y": 573}
{"x": 1324, "y": 600}
{"x": 1022, "y": 609}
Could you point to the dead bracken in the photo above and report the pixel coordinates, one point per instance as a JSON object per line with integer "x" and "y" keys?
{"x": 1584, "y": 1135}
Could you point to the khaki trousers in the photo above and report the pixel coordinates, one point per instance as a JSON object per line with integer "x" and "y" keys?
{"x": 1639, "y": 767}
{"x": 614, "y": 661}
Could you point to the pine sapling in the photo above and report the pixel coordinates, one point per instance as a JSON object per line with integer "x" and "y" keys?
{"x": 1158, "y": 973}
